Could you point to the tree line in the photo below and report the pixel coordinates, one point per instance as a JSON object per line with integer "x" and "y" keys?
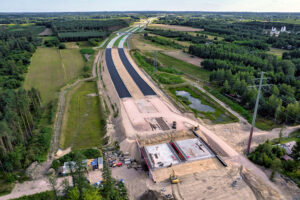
{"x": 180, "y": 36}
{"x": 78, "y": 30}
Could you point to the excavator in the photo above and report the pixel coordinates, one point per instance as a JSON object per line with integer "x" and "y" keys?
{"x": 173, "y": 178}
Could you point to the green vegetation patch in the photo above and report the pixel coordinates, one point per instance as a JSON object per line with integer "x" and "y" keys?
{"x": 50, "y": 69}
{"x": 87, "y": 51}
{"x": 49, "y": 195}
{"x": 166, "y": 78}
{"x": 84, "y": 120}
{"x": 220, "y": 115}
{"x": 277, "y": 52}
{"x": 271, "y": 156}
{"x": 181, "y": 66}
{"x": 5, "y": 187}
{"x": 87, "y": 154}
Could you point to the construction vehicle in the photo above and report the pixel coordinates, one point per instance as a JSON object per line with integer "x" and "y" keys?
{"x": 173, "y": 178}
{"x": 174, "y": 125}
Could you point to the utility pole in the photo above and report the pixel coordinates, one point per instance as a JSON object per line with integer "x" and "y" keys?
{"x": 155, "y": 61}
{"x": 255, "y": 112}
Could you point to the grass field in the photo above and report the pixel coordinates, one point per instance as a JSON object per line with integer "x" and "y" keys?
{"x": 186, "y": 68}
{"x": 83, "y": 119}
{"x": 25, "y": 27}
{"x": 277, "y": 52}
{"x": 50, "y": 69}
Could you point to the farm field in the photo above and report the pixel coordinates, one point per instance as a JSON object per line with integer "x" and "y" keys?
{"x": 50, "y": 69}
{"x": 83, "y": 119}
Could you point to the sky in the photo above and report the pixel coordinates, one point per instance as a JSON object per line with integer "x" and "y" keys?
{"x": 149, "y": 5}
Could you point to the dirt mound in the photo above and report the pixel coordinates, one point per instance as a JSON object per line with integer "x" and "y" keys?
{"x": 259, "y": 188}
{"x": 157, "y": 138}
{"x": 130, "y": 146}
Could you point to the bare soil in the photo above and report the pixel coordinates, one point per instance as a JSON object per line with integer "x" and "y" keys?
{"x": 46, "y": 32}
{"x": 184, "y": 57}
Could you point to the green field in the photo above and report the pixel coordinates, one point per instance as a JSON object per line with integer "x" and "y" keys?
{"x": 277, "y": 52}
{"x": 25, "y": 27}
{"x": 50, "y": 69}
{"x": 186, "y": 68}
{"x": 84, "y": 120}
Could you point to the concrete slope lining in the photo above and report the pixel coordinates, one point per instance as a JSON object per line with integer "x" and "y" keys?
{"x": 117, "y": 81}
{"x": 144, "y": 87}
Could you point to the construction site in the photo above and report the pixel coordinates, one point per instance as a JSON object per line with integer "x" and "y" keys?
{"x": 176, "y": 149}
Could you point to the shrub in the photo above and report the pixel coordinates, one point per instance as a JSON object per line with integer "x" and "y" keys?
{"x": 9, "y": 177}
{"x": 62, "y": 46}
{"x": 86, "y": 68}
{"x": 87, "y": 51}
{"x": 166, "y": 78}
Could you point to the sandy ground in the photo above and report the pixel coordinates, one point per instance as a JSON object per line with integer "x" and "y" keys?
{"x": 46, "y": 32}
{"x": 187, "y": 168}
{"x": 139, "y": 115}
{"x": 184, "y": 57}
{"x": 214, "y": 183}
{"x": 175, "y": 28}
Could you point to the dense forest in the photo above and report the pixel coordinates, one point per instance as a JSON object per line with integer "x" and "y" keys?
{"x": 77, "y": 30}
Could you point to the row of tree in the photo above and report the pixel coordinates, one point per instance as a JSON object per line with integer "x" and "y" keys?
{"x": 180, "y": 36}
{"x": 78, "y": 30}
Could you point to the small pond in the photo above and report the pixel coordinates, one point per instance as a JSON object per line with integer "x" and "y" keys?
{"x": 195, "y": 103}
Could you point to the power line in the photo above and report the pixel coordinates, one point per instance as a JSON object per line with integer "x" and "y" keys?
{"x": 255, "y": 112}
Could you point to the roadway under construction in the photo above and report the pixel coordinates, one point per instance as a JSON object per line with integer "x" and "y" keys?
{"x": 146, "y": 122}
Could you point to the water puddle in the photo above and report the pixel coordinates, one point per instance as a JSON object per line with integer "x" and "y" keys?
{"x": 195, "y": 103}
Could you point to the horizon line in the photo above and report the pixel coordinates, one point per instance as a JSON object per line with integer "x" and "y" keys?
{"x": 116, "y": 11}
